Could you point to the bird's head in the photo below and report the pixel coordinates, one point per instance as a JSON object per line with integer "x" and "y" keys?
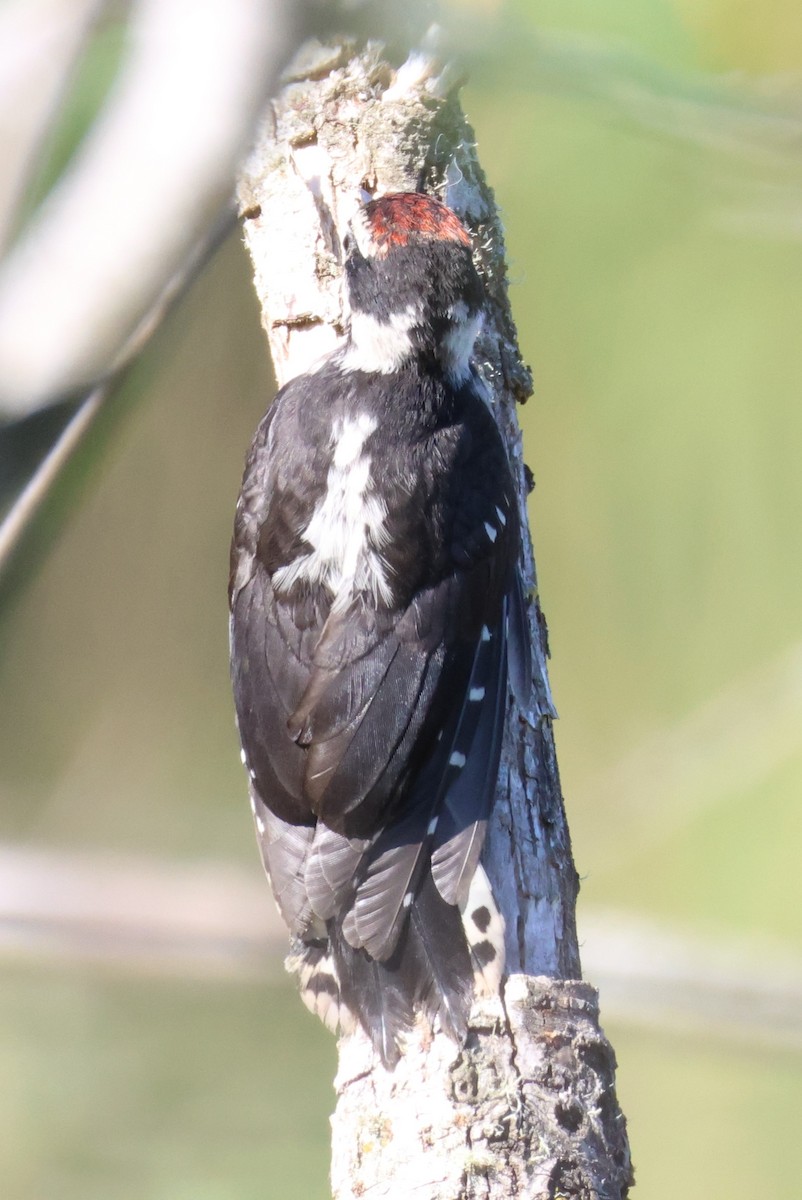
{"x": 413, "y": 289}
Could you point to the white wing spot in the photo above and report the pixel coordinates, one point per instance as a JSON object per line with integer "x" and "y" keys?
{"x": 407, "y": 900}
{"x": 243, "y": 757}
{"x": 486, "y": 634}
{"x": 431, "y": 826}
{"x": 476, "y": 694}
{"x": 502, "y": 516}
{"x": 457, "y": 760}
{"x": 491, "y": 531}
{"x": 260, "y": 825}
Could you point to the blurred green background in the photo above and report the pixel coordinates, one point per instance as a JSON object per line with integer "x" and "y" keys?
{"x": 648, "y": 163}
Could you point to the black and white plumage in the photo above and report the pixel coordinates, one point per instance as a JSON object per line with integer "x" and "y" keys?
{"x": 376, "y": 615}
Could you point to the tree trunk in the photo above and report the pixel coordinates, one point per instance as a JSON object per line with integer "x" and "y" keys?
{"x": 527, "y": 1108}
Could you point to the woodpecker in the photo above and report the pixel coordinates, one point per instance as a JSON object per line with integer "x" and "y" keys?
{"x": 377, "y": 616}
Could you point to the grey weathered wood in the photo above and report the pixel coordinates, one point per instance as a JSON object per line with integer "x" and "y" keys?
{"x": 527, "y": 1108}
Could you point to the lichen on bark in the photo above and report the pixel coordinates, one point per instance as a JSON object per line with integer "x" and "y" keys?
{"x": 527, "y": 1107}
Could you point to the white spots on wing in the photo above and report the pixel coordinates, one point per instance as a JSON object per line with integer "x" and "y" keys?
{"x": 380, "y": 346}
{"x": 486, "y": 635}
{"x": 243, "y": 757}
{"x": 407, "y": 901}
{"x": 491, "y": 531}
{"x": 476, "y": 694}
{"x": 260, "y": 825}
{"x": 457, "y": 760}
{"x": 502, "y": 516}
{"x": 346, "y": 529}
{"x": 252, "y": 774}
{"x": 253, "y": 804}
{"x": 430, "y": 828}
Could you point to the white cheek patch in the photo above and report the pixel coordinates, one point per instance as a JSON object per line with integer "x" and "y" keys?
{"x": 347, "y": 528}
{"x": 380, "y": 346}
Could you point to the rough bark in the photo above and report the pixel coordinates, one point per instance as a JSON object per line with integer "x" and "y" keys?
{"x": 527, "y": 1107}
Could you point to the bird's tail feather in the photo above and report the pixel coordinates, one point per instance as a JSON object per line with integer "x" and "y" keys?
{"x": 430, "y": 970}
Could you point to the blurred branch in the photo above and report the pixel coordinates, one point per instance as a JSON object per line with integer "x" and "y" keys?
{"x": 143, "y": 915}
{"x": 132, "y": 221}
{"x": 33, "y": 495}
{"x": 703, "y": 982}
{"x": 150, "y": 176}
{"x": 135, "y": 913}
{"x": 40, "y": 41}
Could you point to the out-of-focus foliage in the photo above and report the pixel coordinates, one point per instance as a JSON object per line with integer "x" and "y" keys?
{"x": 658, "y": 306}
{"x": 731, "y": 35}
